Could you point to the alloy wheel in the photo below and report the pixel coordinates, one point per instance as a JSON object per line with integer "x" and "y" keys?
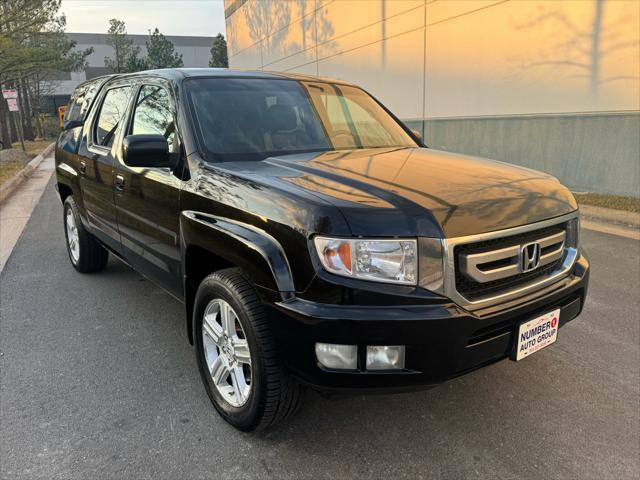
{"x": 227, "y": 352}
{"x": 73, "y": 238}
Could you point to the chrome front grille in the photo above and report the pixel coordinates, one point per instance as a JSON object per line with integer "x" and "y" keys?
{"x": 488, "y": 269}
{"x": 488, "y": 264}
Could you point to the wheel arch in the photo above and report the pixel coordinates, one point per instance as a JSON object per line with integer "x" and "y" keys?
{"x": 67, "y": 183}
{"x": 210, "y": 243}
{"x": 64, "y": 191}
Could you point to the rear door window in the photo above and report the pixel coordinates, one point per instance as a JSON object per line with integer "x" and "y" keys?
{"x": 81, "y": 100}
{"x": 111, "y": 115}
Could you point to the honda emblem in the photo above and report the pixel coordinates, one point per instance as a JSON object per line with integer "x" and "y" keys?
{"x": 529, "y": 257}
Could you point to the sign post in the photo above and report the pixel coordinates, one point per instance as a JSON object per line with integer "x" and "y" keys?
{"x": 11, "y": 96}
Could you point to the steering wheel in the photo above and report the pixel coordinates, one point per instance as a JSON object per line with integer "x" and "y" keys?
{"x": 345, "y": 133}
{"x": 347, "y": 141}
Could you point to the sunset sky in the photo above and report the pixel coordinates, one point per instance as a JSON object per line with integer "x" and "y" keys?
{"x": 182, "y": 17}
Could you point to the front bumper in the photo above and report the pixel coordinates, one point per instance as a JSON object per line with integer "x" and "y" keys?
{"x": 442, "y": 340}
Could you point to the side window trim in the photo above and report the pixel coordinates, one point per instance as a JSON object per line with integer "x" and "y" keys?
{"x": 136, "y": 93}
{"x": 174, "y": 111}
{"x": 92, "y": 146}
{"x": 172, "y": 102}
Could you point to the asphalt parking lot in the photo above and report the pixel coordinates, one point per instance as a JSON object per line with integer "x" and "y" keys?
{"x": 97, "y": 380}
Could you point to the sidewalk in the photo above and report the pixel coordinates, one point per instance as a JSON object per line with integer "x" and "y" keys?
{"x": 16, "y": 210}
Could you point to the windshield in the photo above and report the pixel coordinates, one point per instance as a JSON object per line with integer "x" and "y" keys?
{"x": 251, "y": 119}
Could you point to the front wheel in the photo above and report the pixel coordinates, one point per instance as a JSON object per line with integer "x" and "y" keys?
{"x": 85, "y": 253}
{"x": 237, "y": 357}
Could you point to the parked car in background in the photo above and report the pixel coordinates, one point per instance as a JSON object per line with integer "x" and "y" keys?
{"x": 314, "y": 240}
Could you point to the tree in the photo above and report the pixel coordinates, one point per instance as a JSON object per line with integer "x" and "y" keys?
{"x": 32, "y": 45}
{"x": 161, "y": 52}
{"x": 580, "y": 49}
{"x": 125, "y": 57}
{"x": 219, "y": 52}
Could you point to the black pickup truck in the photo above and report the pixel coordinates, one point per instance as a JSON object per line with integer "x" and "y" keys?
{"x": 314, "y": 240}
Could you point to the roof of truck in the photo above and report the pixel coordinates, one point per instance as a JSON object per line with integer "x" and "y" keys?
{"x": 178, "y": 73}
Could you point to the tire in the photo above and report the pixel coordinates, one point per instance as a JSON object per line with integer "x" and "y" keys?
{"x": 85, "y": 252}
{"x": 273, "y": 395}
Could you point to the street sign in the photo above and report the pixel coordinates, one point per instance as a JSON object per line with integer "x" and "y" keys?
{"x": 9, "y": 93}
{"x": 13, "y": 104}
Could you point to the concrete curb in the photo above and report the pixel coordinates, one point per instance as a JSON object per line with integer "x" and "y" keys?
{"x": 8, "y": 187}
{"x": 610, "y": 216}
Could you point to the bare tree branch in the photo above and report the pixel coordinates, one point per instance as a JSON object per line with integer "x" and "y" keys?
{"x": 567, "y": 63}
{"x": 557, "y": 16}
{"x": 619, "y": 77}
{"x": 619, "y": 45}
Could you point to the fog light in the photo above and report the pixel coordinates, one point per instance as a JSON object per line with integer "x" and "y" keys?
{"x": 385, "y": 357}
{"x": 343, "y": 357}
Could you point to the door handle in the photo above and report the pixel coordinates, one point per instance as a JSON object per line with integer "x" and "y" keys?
{"x": 83, "y": 167}
{"x": 119, "y": 182}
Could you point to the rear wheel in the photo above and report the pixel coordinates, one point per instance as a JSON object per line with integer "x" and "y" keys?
{"x": 237, "y": 357}
{"x": 85, "y": 252}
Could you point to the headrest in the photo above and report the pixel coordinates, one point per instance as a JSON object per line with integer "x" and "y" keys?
{"x": 281, "y": 117}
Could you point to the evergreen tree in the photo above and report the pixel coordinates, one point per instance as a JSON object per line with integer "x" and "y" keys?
{"x": 126, "y": 55}
{"x": 161, "y": 52}
{"x": 219, "y": 52}
{"x": 32, "y": 46}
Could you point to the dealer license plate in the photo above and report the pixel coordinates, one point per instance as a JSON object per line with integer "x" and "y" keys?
{"x": 537, "y": 334}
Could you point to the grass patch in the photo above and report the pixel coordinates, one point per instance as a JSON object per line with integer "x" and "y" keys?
{"x": 617, "y": 202}
{"x": 14, "y": 159}
{"x": 33, "y": 147}
{"x": 8, "y": 171}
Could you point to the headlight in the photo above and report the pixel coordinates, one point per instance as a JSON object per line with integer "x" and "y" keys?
{"x": 393, "y": 261}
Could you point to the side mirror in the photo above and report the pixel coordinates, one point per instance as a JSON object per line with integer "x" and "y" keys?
{"x": 146, "y": 151}
{"x": 69, "y": 124}
{"x": 417, "y": 134}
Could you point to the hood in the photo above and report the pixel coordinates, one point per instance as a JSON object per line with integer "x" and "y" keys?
{"x": 423, "y": 192}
